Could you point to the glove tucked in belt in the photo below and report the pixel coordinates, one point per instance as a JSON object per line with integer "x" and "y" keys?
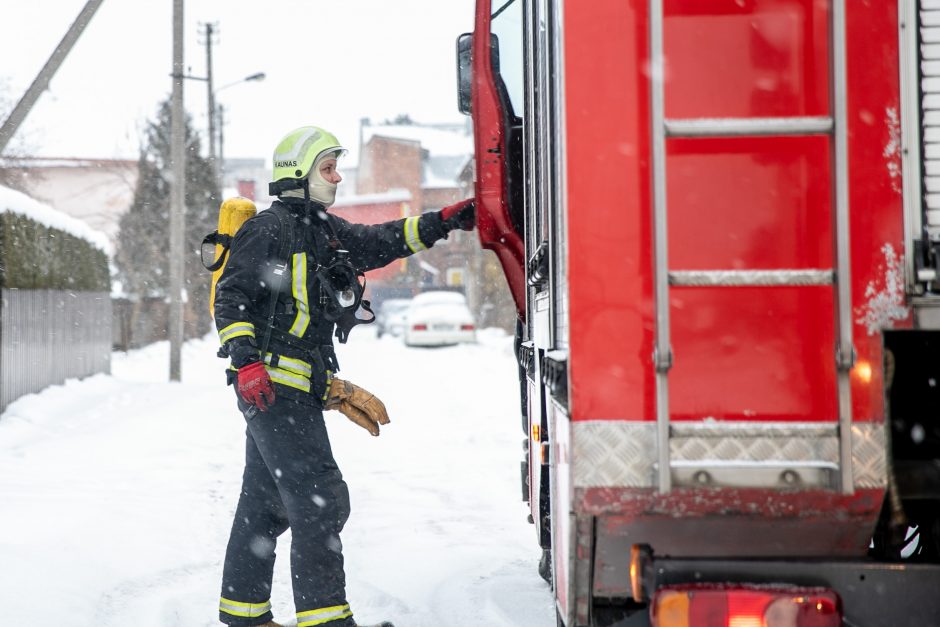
{"x": 359, "y": 405}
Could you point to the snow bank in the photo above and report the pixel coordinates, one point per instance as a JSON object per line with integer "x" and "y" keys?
{"x": 13, "y": 201}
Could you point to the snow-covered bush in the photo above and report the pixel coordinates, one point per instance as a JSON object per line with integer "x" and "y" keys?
{"x": 44, "y": 249}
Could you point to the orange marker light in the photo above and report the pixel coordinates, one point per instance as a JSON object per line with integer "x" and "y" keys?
{"x": 671, "y": 609}
{"x": 863, "y": 371}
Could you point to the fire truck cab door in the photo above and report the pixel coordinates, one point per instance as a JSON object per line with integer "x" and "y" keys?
{"x": 498, "y": 151}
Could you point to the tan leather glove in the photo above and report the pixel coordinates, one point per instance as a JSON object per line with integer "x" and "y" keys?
{"x": 360, "y": 406}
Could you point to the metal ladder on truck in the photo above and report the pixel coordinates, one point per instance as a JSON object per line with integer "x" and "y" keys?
{"x": 839, "y": 277}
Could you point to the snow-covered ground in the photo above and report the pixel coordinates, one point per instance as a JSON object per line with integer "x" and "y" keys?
{"x": 117, "y": 492}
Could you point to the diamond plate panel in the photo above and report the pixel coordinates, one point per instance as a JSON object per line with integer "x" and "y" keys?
{"x": 869, "y": 464}
{"x": 735, "y": 444}
{"x": 622, "y": 454}
{"x": 611, "y": 453}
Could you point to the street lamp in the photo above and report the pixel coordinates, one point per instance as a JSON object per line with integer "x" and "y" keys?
{"x": 213, "y": 110}
{"x": 259, "y": 76}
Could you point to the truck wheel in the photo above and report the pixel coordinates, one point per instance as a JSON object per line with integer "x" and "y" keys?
{"x": 545, "y": 566}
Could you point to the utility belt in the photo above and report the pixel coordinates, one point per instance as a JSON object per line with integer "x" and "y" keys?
{"x": 304, "y": 370}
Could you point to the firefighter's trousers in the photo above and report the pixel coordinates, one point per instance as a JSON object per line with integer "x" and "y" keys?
{"x": 291, "y": 480}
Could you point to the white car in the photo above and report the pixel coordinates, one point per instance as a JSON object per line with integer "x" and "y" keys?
{"x": 390, "y": 317}
{"x": 438, "y": 319}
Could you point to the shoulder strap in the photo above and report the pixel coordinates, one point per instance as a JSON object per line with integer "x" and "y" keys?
{"x": 207, "y": 250}
{"x": 333, "y": 242}
{"x": 285, "y": 240}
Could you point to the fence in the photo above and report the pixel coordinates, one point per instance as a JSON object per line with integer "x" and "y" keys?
{"x": 142, "y": 322}
{"x": 48, "y": 336}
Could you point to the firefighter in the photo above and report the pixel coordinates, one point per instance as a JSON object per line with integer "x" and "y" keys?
{"x": 277, "y": 305}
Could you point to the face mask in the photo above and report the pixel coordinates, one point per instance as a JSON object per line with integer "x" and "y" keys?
{"x": 321, "y": 190}
{"x": 342, "y": 286}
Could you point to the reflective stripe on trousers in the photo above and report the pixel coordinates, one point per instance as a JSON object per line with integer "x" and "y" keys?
{"x": 323, "y": 615}
{"x": 248, "y": 610}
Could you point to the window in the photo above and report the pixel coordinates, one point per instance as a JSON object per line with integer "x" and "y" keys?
{"x": 507, "y": 26}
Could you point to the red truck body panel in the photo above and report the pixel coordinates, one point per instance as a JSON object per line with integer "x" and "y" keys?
{"x": 759, "y": 353}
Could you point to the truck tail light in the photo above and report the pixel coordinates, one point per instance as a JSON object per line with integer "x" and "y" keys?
{"x": 419, "y": 327}
{"x": 466, "y": 327}
{"x": 741, "y": 606}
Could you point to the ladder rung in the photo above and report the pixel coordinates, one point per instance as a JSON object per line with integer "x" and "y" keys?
{"x": 745, "y": 278}
{"x": 747, "y": 127}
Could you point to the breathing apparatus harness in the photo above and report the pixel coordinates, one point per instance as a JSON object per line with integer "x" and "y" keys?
{"x": 341, "y": 283}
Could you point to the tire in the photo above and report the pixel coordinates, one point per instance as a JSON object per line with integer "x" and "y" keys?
{"x": 545, "y": 566}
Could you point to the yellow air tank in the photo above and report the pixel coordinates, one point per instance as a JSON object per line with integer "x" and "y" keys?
{"x": 232, "y": 215}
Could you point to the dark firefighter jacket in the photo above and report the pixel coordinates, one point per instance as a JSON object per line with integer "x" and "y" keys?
{"x": 300, "y": 358}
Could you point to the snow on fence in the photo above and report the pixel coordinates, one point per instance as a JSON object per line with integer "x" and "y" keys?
{"x": 73, "y": 339}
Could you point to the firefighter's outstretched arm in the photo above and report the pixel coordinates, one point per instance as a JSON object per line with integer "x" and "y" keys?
{"x": 375, "y": 245}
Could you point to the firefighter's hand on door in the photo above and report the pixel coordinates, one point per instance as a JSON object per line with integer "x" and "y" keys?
{"x": 255, "y": 386}
{"x": 461, "y": 215}
{"x": 359, "y": 405}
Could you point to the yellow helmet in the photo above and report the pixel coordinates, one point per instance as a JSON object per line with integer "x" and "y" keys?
{"x": 299, "y": 150}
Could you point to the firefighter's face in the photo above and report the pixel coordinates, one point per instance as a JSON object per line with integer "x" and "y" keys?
{"x": 328, "y": 171}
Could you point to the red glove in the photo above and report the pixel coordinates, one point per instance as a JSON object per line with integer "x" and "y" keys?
{"x": 255, "y": 385}
{"x": 461, "y": 215}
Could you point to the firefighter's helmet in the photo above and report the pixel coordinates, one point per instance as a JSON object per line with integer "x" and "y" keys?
{"x": 300, "y": 149}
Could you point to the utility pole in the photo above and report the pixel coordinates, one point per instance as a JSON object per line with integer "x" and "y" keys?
{"x": 177, "y": 197}
{"x": 207, "y": 32}
{"x": 41, "y": 82}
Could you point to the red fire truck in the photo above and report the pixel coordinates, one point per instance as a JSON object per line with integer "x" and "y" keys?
{"x": 717, "y": 220}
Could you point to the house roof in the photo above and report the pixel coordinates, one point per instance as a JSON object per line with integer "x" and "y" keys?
{"x": 63, "y": 162}
{"x": 393, "y": 195}
{"x": 440, "y": 140}
{"x": 442, "y": 171}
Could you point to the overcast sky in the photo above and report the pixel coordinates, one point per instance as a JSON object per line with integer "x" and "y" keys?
{"x": 328, "y": 63}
